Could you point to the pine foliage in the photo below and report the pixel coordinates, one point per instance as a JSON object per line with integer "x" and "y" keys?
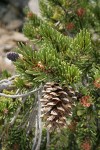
{"x": 63, "y": 59}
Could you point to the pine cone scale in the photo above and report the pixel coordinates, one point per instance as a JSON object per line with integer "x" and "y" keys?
{"x": 57, "y": 104}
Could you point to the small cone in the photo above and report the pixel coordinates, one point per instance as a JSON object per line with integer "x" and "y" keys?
{"x": 13, "y": 56}
{"x": 57, "y": 104}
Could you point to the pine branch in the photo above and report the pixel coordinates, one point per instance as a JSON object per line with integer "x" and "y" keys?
{"x": 45, "y": 9}
{"x": 59, "y": 41}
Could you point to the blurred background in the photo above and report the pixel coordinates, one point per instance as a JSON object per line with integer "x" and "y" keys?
{"x": 12, "y": 17}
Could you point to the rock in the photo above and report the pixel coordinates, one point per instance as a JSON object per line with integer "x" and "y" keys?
{"x": 11, "y": 14}
{"x": 2, "y": 31}
{"x": 11, "y": 21}
{"x": 95, "y": 37}
{"x": 6, "y": 47}
{"x": 8, "y": 42}
{"x": 16, "y": 36}
{"x": 15, "y": 24}
{"x": 34, "y": 6}
{"x": 3, "y": 10}
{"x": 17, "y": 3}
{"x": 12, "y": 10}
{"x": 5, "y": 39}
{"x": 6, "y": 64}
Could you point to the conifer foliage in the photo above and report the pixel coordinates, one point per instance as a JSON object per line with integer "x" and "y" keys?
{"x": 63, "y": 62}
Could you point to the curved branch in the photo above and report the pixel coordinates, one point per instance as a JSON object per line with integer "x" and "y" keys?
{"x": 7, "y": 83}
{"x": 9, "y": 79}
{"x": 20, "y": 95}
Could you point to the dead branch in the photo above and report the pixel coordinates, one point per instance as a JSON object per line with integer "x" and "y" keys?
{"x": 17, "y": 112}
{"x": 36, "y": 135}
{"x": 20, "y": 95}
{"x": 48, "y": 140}
{"x": 7, "y": 83}
{"x": 39, "y": 122}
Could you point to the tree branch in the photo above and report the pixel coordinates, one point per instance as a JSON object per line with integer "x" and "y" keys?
{"x": 9, "y": 79}
{"x": 7, "y": 83}
{"x": 39, "y": 122}
{"x": 17, "y": 112}
{"x": 36, "y": 136}
{"x": 38, "y": 129}
{"x": 20, "y": 95}
{"x": 48, "y": 140}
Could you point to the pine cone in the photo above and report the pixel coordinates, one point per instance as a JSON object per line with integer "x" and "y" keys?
{"x": 57, "y": 104}
{"x": 13, "y": 56}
